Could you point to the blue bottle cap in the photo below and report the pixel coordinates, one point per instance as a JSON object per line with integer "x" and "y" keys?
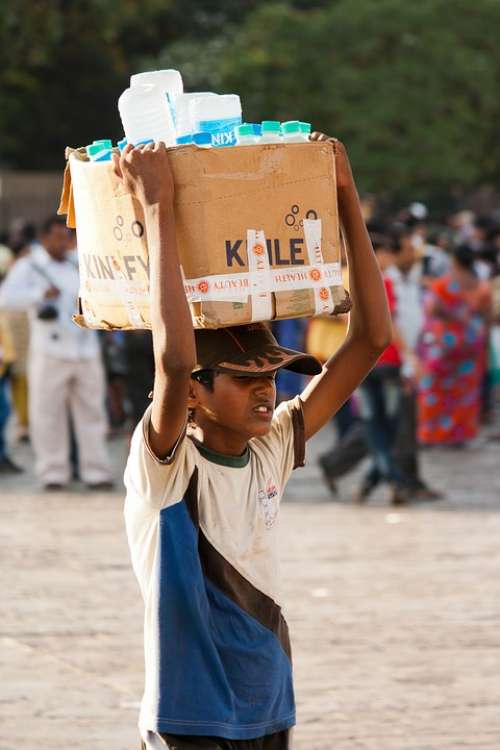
{"x": 292, "y": 126}
{"x": 271, "y": 126}
{"x": 183, "y": 139}
{"x": 121, "y": 144}
{"x": 245, "y": 129}
{"x": 96, "y": 152}
{"x": 202, "y": 139}
{"x": 257, "y": 128}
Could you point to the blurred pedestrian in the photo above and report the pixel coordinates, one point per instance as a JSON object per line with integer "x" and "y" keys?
{"x": 380, "y": 401}
{"x": 325, "y": 336}
{"x": 290, "y": 333}
{"x": 7, "y": 358}
{"x": 140, "y": 372}
{"x": 20, "y": 327}
{"x": 65, "y": 369}
{"x": 406, "y": 275}
{"x": 453, "y": 353}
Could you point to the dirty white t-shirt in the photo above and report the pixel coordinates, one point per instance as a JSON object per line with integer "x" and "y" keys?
{"x": 202, "y": 530}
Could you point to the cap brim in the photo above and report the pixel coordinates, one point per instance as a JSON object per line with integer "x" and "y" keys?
{"x": 252, "y": 363}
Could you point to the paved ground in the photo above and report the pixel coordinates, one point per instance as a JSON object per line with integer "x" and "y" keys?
{"x": 395, "y": 616}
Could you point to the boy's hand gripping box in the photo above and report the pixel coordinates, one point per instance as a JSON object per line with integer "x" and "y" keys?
{"x": 257, "y": 235}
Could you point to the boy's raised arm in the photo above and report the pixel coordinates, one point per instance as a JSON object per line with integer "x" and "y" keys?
{"x": 370, "y": 322}
{"x": 146, "y": 173}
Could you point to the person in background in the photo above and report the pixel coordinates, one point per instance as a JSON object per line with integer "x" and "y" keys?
{"x": 140, "y": 372}
{"x": 436, "y": 260}
{"x": 405, "y": 274}
{"x": 65, "y": 369}
{"x": 289, "y": 333}
{"x": 325, "y": 336}
{"x": 115, "y": 366}
{"x": 19, "y": 325}
{"x": 380, "y": 401}
{"x": 7, "y": 358}
{"x": 453, "y": 354}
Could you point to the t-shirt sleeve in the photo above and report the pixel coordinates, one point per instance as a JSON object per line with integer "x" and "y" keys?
{"x": 286, "y": 439}
{"x": 158, "y": 482}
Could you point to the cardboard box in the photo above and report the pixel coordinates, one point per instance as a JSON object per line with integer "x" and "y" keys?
{"x": 257, "y": 232}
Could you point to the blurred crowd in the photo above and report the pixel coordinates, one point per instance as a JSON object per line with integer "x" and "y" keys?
{"x": 437, "y": 383}
{"x": 67, "y": 390}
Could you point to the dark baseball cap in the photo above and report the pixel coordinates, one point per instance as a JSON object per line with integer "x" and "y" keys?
{"x": 248, "y": 350}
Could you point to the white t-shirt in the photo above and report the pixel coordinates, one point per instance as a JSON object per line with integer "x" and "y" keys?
{"x": 202, "y": 530}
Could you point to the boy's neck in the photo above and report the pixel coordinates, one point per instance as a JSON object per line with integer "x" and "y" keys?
{"x": 222, "y": 441}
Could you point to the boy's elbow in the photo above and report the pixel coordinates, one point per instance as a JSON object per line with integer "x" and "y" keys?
{"x": 380, "y": 341}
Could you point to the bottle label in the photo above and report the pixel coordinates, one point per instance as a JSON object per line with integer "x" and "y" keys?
{"x": 222, "y": 131}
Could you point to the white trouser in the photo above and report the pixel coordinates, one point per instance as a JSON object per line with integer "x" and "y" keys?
{"x": 58, "y": 388}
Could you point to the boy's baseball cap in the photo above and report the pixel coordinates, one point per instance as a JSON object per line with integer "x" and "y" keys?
{"x": 248, "y": 350}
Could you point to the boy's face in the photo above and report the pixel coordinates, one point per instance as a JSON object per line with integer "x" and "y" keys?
{"x": 239, "y": 404}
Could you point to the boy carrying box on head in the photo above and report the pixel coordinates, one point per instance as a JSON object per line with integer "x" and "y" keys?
{"x": 207, "y": 469}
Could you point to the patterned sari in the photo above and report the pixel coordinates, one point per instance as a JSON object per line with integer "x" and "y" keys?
{"x": 453, "y": 357}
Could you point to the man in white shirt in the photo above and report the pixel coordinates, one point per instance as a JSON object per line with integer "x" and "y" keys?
{"x": 406, "y": 277}
{"x": 66, "y": 374}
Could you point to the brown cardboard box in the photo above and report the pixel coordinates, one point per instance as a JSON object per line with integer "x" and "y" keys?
{"x": 257, "y": 232}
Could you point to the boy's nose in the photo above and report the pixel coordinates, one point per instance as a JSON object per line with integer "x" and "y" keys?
{"x": 264, "y": 385}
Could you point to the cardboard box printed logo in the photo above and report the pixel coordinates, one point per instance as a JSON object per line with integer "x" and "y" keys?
{"x": 234, "y": 271}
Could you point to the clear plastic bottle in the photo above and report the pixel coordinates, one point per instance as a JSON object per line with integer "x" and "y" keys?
{"x": 184, "y": 121}
{"x": 270, "y": 131}
{"x": 292, "y": 132}
{"x": 169, "y": 81}
{"x": 218, "y": 115}
{"x": 145, "y": 113}
{"x": 245, "y": 135}
{"x": 305, "y": 129}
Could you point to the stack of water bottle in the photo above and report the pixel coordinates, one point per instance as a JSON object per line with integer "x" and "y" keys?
{"x": 155, "y": 108}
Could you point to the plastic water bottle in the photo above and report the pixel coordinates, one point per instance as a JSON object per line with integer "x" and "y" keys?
{"x": 270, "y": 131}
{"x": 305, "y": 128}
{"x": 245, "y": 135}
{"x": 292, "y": 132}
{"x": 184, "y": 124}
{"x": 145, "y": 114}
{"x": 218, "y": 115}
{"x": 169, "y": 81}
{"x": 100, "y": 150}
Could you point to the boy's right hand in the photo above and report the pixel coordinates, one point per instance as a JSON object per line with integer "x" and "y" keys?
{"x": 146, "y": 173}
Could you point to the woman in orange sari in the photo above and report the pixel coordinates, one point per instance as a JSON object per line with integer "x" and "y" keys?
{"x": 453, "y": 354}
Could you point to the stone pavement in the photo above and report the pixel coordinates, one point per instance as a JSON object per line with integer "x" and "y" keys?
{"x": 394, "y": 615}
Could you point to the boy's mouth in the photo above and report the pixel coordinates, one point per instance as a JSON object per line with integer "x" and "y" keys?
{"x": 264, "y": 409}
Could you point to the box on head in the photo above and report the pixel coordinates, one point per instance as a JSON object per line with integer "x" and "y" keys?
{"x": 257, "y": 231}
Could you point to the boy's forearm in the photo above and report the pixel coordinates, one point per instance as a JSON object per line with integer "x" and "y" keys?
{"x": 370, "y": 318}
{"x": 172, "y": 325}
